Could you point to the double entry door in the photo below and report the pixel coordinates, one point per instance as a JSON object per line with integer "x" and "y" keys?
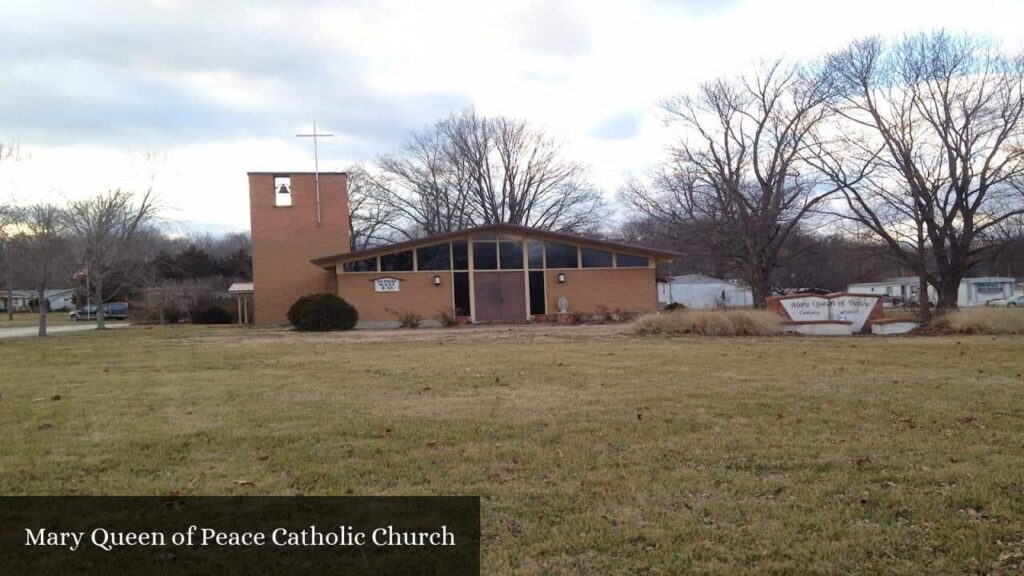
{"x": 499, "y": 296}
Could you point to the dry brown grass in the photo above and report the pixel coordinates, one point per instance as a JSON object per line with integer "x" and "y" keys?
{"x": 710, "y": 323}
{"x": 594, "y": 451}
{"x": 994, "y": 321}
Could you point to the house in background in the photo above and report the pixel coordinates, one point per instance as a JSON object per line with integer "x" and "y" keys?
{"x": 704, "y": 292}
{"x": 24, "y": 300}
{"x": 973, "y": 291}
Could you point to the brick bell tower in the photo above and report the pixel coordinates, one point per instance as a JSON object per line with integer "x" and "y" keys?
{"x": 286, "y": 235}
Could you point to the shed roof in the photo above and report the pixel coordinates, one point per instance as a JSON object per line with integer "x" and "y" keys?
{"x": 657, "y": 253}
{"x": 241, "y": 288}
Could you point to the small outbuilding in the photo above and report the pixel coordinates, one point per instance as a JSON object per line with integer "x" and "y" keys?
{"x": 243, "y": 293}
{"x": 28, "y": 300}
{"x": 704, "y": 292}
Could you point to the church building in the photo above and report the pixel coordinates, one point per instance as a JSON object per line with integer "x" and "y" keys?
{"x": 498, "y": 273}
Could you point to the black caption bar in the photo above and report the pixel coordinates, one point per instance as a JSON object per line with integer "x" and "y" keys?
{"x": 239, "y": 535}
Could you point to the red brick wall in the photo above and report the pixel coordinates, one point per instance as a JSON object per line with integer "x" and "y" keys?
{"x": 632, "y": 289}
{"x": 417, "y": 294}
{"x": 285, "y": 239}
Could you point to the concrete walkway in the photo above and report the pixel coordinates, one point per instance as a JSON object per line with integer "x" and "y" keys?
{"x": 30, "y": 331}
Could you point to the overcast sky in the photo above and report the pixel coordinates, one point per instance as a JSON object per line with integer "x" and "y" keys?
{"x": 221, "y": 87}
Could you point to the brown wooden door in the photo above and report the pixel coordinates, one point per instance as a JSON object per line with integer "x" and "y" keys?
{"x": 500, "y": 296}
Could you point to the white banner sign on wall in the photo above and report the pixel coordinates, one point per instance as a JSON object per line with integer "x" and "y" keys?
{"x": 387, "y": 285}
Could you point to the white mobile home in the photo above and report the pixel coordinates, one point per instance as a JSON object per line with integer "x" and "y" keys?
{"x": 700, "y": 291}
{"x": 24, "y": 300}
{"x": 973, "y": 291}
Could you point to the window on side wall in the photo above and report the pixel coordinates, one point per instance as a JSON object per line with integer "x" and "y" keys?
{"x": 397, "y": 262}
{"x": 630, "y": 261}
{"x": 365, "y": 265}
{"x": 282, "y": 190}
{"x": 596, "y": 258}
{"x": 436, "y": 257}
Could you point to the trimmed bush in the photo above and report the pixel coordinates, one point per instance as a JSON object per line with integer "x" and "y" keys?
{"x": 321, "y": 313}
{"x": 710, "y": 323}
{"x": 211, "y": 315}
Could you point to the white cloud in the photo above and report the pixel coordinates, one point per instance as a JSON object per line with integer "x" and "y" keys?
{"x": 222, "y": 87}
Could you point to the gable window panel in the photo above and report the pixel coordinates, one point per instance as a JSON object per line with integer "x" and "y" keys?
{"x": 397, "y": 262}
{"x": 511, "y": 255}
{"x": 630, "y": 261}
{"x": 595, "y": 258}
{"x": 561, "y": 255}
{"x": 436, "y": 257}
{"x": 485, "y": 255}
{"x": 460, "y": 255}
{"x": 536, "y": 250}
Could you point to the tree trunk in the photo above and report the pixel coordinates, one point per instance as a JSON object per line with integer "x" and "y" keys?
{"x": 924, "y": 305}
{"x": 100, "y": 321}
{"x": 43, "y": 310}
{"x": 759, "y": 285}
{"x": 163, "y": 317}
{"x": 948, "y": 288}
{"x": 10, "y": 288}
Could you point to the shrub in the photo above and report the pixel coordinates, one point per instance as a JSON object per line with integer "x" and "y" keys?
{"x": 211, "y": 315}
{"x": 321, "y": 313}
{"x": 171, "y": 315}
{"x": 710, "y": 323}
{"x": 447, "y": 317}
{"x": 622, "y": 315}
{"x": 995, "y": 321}
{"x": 674, "y": 306}
{"x": 407, "y": 318}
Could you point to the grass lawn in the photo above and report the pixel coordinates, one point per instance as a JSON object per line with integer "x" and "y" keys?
{"x": 594, "y": 451}
{"x": 27, "y": 319}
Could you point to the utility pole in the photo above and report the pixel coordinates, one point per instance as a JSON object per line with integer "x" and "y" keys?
{"x": 316, "y": 163}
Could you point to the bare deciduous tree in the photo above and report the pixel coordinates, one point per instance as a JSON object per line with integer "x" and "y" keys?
{"x": 45, "y": 241}
{"x": 10, "y": 217}
{"x": 740, "y": 173}
{"x": 470, "y": 170}
{"x": 935, "y": 122}
{"x": 371, "y": 218}
{"x": 105, "y": 227}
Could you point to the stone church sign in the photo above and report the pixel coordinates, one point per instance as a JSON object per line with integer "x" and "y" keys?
{"x": 840, "y": 307}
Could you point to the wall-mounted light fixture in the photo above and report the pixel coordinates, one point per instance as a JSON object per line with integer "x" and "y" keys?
{"x": 561, "y": 277}
{"x": 437, "y": 280}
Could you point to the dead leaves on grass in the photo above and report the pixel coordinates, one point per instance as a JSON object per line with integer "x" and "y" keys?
{"x": 53, "y": 398}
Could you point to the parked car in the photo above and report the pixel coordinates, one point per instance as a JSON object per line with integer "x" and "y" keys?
{"x": 1015, "y": 302}
{"x": 111, "y": 311}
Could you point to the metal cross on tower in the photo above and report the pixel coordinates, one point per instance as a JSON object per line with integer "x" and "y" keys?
{"x": 316, "y": 163}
